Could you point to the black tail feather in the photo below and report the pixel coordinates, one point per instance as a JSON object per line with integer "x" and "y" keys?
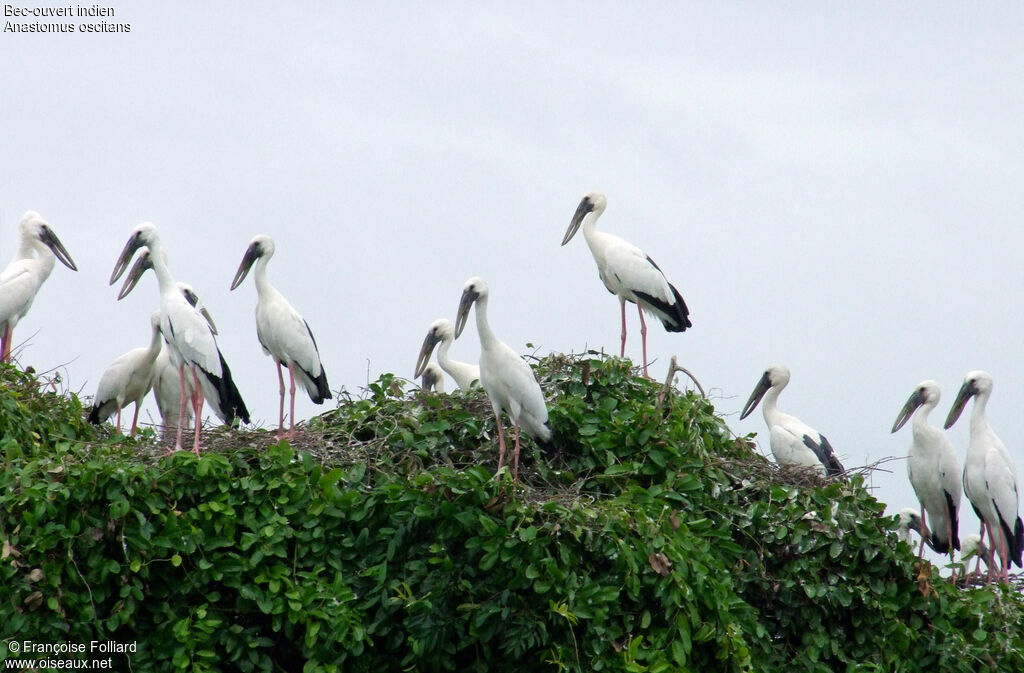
{"x": 322, "y": 392}
{"x": 675, "y": 317}
{"x": 954, "y": 520}
{"x": 232, "y": 405}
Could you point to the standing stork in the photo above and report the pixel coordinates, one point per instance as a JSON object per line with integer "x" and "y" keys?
{"x": 128, "y": 379}
{"x": 187, "y": 332}
{"x": 507, "y": 379}
{"x": 20, "y": 281}
{"x": 794, "y": 443}
{"x": 990, "y": 478}
{"x": 441, "y": 331}
{"x": 282, "y": 332}
{"x": 629, "y": 274}
{"x": 934, "y": 472}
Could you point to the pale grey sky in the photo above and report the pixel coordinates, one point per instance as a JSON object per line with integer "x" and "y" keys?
{"x": 834, "y": 186}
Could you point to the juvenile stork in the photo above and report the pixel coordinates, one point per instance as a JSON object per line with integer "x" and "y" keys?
{"x": 629, "y": 274}
{"x": 507, "y": 379}
{"x": 442, "y": 332}
{"x": 794, "y": 444}
{"x": 990, "y": 478}
{"x": 282, "y": 332}
{"x": 128, "y": 379}
{"x": 934, "y": 472}
{"x": 187, "y": 333}
{"x": 432, "y": 378}
{"x": 20, "y": 281}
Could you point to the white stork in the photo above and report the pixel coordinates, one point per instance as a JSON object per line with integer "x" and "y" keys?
{"x": 128, "y": 379}
{"x": 910, "y": 519}
{"x": 20, "y": 281}
{"x": 187, "y": 332}
{"x": 506, "y": 378}
{"x": 934, "y": 471}
{"x": 794, "y": 444}
{"x": 990, "y": 478}
{"x": 432, "y": 378}
{"x": 629, "y": 274}
{"x": 441, "y": 331}
{"x": 282, "y": 332}
{"x": 971, "y": 546}
{"x": 166, "y": 381}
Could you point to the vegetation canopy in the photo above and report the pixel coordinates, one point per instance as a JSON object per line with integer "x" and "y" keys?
{"x": 380, "y": 539}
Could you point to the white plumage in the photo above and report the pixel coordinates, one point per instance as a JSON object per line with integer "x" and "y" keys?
{"x": 38, "y": 251}
{"x": 128, "y": 379}
{"x": 187, "y": 333}
{"x": 934, "y": 471}
{"x": 507, "y": 379}
{"x": 629, "y": 274}
{"x": 990, "y": 478}
{"x": 442, "y": 332}
{"x": 282, "y": 332}
{"x": 793, "y": 442}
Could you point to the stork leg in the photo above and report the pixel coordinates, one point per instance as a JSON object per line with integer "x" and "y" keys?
{"x": 501, "y": 442}
{"x": 135, "y": 419}
{"x": 515, "y": 454}
{"x": 924, "y": 532}
{"x": 952, "y": 551}
{"x": 280, "y": 415}
{"x": 119, "y": 420}
{"x": 622, "y": 305}
{"x": 5, "y": 344}
{"x": 981, "y": 543}
{"x": 643, "y": 337}
{"x": 198, "y": 407}
{"x": 181, "y": 412}
{"x": 291, "y": 391}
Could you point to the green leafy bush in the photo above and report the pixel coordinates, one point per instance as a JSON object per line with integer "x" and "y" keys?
{"x": 379, "y": 539}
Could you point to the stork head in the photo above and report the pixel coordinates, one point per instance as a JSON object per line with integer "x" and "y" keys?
{"x": 976, "y": 383}
{"x": 926, "y": 393}
{"x": 34, "y": 227}
{"x": 143, "y": 235}
{"x": 593, "y": 202}
{"x": 440, "y": 330}
{"x": 193, "y": 299}
{"x": 143, "y": 263}
{"x": 909, "y": 519}
{"x": 433, "y": 378}
{"x": 474, "y": 289}
{"x": 775, "y": 376}
{"x": 154, "y": 321}
{"x": 260, "y": 246}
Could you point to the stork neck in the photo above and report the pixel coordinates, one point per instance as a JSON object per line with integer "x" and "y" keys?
{"x": 770, "y": 404}
{"x": 442, "y": 352}
{"x": 260, "y": 276}
{"x": 163, "y": 274}
{"x": 920, "y": 418}
{"x": 979, "y": 420}
{"x": 483, "y": 327}
{"x": 154, "y": 344}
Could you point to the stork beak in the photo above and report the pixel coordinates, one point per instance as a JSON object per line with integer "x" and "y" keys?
{"x": 142, "y": 264}
{"x": 252, "y": 253}
{"x": 193, "y": 299}
{"x": 426, "y": 351}
{"x": 468, "y": 297}
{"x": 762, "y": 387}
{"x": 915, "y": 401}
{"x": 585, "y": 207}
{"x": 967, "y": 391}
{"x": 59, "y": 251}
{"x": 133, "y": 244}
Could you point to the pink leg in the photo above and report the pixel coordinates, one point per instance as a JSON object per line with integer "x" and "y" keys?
{"x": 119, "y": 421}
{"x": 5, "y": 344}
{"x": 924, "y": 532}
{"x": 995, "y": 546}
{"x": 622, "y": 305}
{"x": 981, "y": 541}
{"x": 643, "y": 336}
{"x": 280, "y": 380}
{"x": 181, "y": 412}
{"x": 515, "y": 454}
{"x": 198, "y": 407}
{"x": 291, "y": 390}
{"x": 501, "y": 442}
{"x": 952, "y": 551}
{"x": 135, "y": 419}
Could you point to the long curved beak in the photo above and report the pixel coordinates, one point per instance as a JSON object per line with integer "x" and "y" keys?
{"x": 762, "y": 387}
{"x": 426, "y": 351}
{"x": 142, "y": 264}
{"x": 250, "y": 257}
{"x": 915, "y": 401}
{"x": 59, "y": 251}
{"x": 193, "y": 299}
{"x": 468, "y": 297}
{"x": 133, "y": 244}
{"x": 967, "y": 391}
{"x": 581, "y": 211}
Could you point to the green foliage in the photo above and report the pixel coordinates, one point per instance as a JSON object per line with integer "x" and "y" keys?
{"x": 380, "y": 540}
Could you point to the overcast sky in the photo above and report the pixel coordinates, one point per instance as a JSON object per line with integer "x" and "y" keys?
{"x": 834, "y": 186}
